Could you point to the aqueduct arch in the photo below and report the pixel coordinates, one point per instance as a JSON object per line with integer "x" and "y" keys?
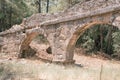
{"x": 25, "y": 44}
{"x": 25, "y": 48}
{"x": 77, "y": 34}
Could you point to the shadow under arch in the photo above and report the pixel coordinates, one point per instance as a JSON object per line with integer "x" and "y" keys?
{"x": 25, "y": 48}
{"x": 77, "y": 34}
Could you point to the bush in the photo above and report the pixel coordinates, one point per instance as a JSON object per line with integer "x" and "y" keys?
{"x": 116, "y": 43}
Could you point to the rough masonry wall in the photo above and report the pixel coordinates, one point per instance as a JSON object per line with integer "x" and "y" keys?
{"x": 11, "y": 43}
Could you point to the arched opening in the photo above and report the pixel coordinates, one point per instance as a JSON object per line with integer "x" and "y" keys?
{"x": 95, "y": 36}
{"x": 35, "y": 44}
{"x": 98, "y": 39}
{"x": 40, "y": 42}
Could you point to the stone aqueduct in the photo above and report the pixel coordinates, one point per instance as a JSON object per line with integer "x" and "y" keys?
{"x": 61, "y": 29}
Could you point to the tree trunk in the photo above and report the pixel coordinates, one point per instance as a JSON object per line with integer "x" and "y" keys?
{"x": 101, "y": 38}
{"x": 39, "y": 3}
{"x": 47, "y": 8}
{"x": 109, "y": 41}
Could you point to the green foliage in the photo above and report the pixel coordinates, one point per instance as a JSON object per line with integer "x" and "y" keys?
{"x": 100, "y": 38}
{"x": 41, "y": 39}
{"x": 116, "y": 40}
{"x": 1, "y": 15}
{"x": 73, "y": 2}
{"x": 13, "y": 11}
{"x": 88, "y": 44}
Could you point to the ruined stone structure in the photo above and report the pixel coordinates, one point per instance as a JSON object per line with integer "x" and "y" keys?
{"x": 61, "y": 29}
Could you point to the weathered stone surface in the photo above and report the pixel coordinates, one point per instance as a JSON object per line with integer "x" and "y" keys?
{"x": 61, "y": 29}
{"x": 117, "y": 22}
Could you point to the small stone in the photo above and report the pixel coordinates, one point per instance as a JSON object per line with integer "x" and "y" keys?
{"x": 47, "y": 64}
{"x": 10, "y": 59}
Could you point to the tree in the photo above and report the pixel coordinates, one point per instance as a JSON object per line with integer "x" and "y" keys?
{"x": 3, "y": 15}
{"x": 47, "y": 7}
{"x": 39, "y": 4}
{"x": 13, "y": 11}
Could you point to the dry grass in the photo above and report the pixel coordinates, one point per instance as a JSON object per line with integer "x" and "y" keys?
{"x": 35, "y": 70}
